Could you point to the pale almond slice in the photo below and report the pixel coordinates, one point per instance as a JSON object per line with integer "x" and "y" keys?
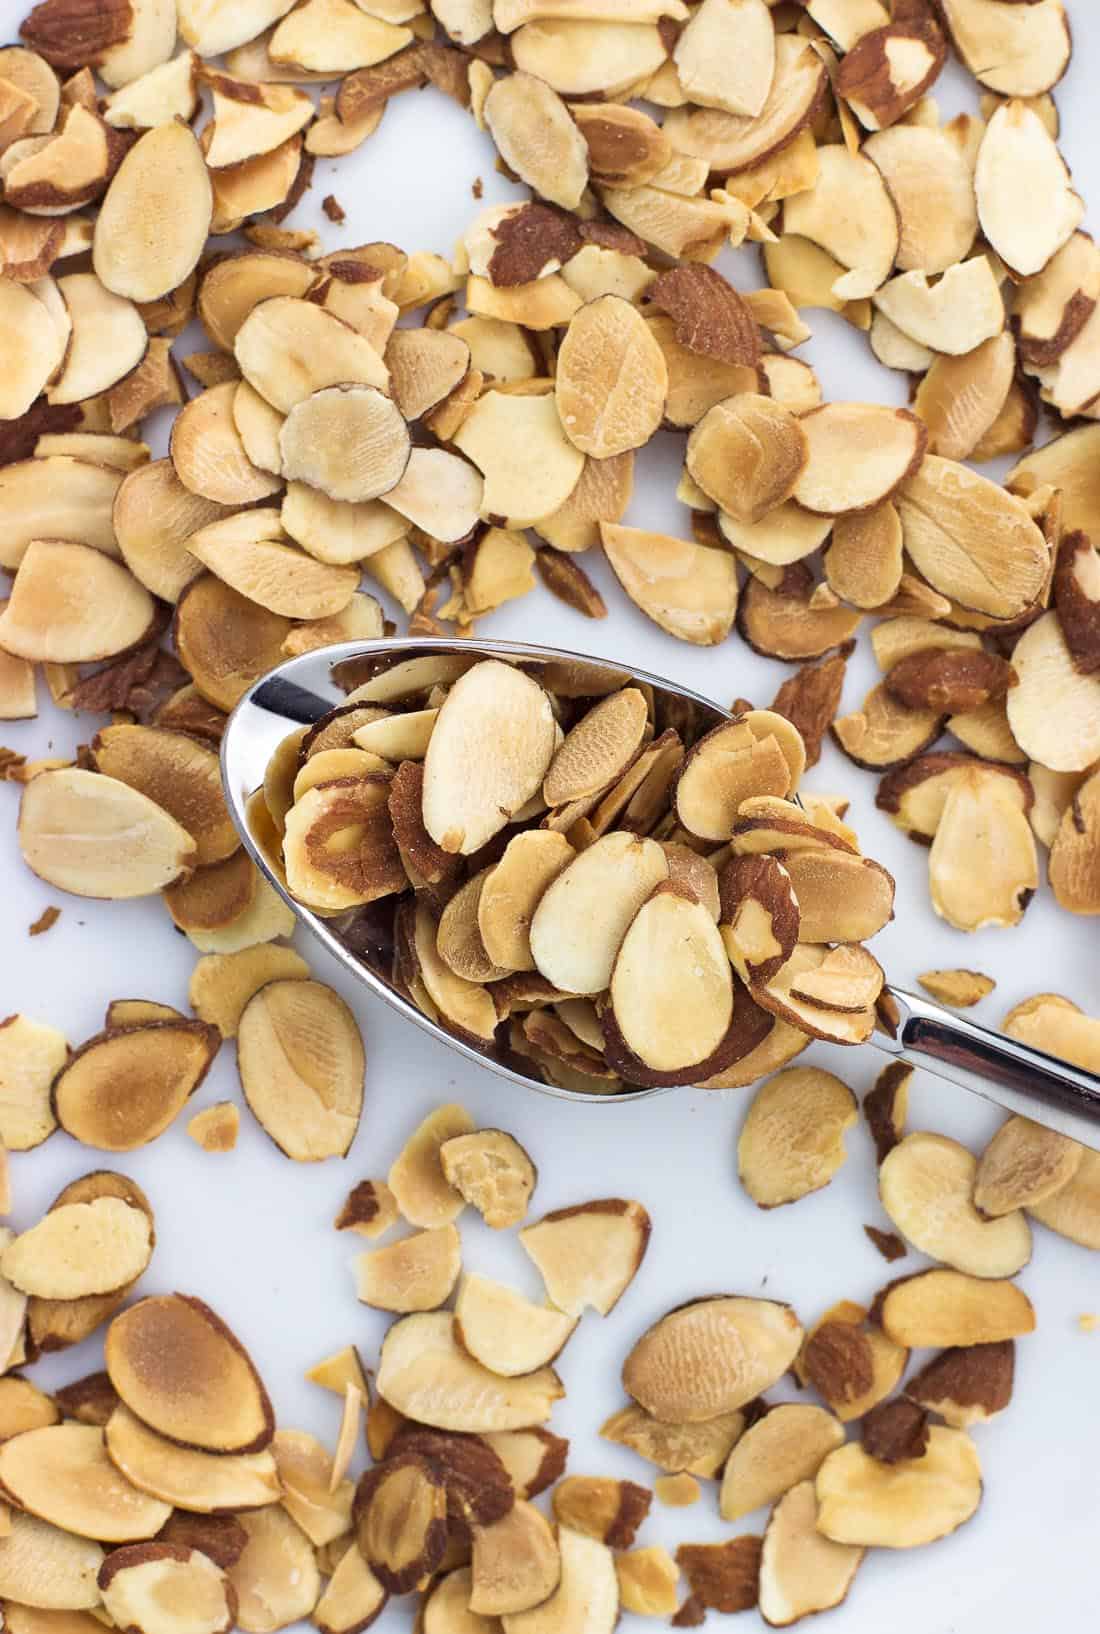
{"x": 698, "y": 1449}
{"x": 53, "y": 175}
{"x": 33, "y": 348}
{"x": 352, "y": 1598}
{"x": 179, "y": 1368}
{"x": 983, "y": 868}
{"x": 582, "y": 916}
{"x": 446, "y": 1606}
{"x": 533, "y": 132}
{"x": 690, "y": 590}
{"x": 79, "y": 1249}
{"x": 589, "y": 1254}
{"x": 301, "y": 1063}
{"x": 57, "y": 497}
{"x": 748, "y": 455}
{"x": 334, "y": 37}
{"x": 932, "y": 187}
{"x": 339, "y": 531}
{"x": 850, "y": 1025}
{"x": 31, "y": 74}
{"x": 162, "y": 94}
{"x": 472, "y": 787}
{"x": 215, "y": 1128}
{"x": 832, "y": 481}
{"x": 864, "y": 562}
{"x": 122, "y": 1089}
{"x": 1074, "y": 1210}
{"x": 960, "y": 398}
{"x": 250, "y": 120}
{"x": 1017, "y": 161}
{"x": 732, "y": 142}
{"x": 438, "y": 492}
{"x": 492, "y": 1172}
{"x": 154, "y": 515}
{"x": 948, "y": 1308}
{"x": 153, "y": 222}
{"x": 681, "y": 224}
{"x": 276, "y": 1577}
{"x": 588, "y": 1591}
{"x": 787, "y": 623}
{"x": 729, "y": 765}
{"x": 954, "y": 314}
{"x": 71, "y": 604}
{"x": 61, "y": 1474}
{"x": 153, "y": 1587}
{"x": 966, "y": 1386}
{"x": 1053, "y": 307}
{"x": 1022, "y": 53}
{"x": 289, "y": 349}
{"x": 786, "y": 534}
{"x": 863, "y": 1502}
{"x": 47, "y": 1568}
{"x": 841, "y": 898}
{"x": 848, "y": 981}
{"x": 415, "y": 1274}
{"x": 792, "y": 1141}
{"x": 108, "y": 339}
{"x": 801, "y": 1571}
{"x": 232, "y": 288}
{"x": 1056, "y": 1026}
{"x": 397, "y": 737}
{"x": 895, "y": 349}
{"x": 248, "y": 552}
{"x": 93, "y": 836}
{"x": 1069, "y": 739}
{"x": 505, "y": 1332}
{"x": 135, "y": 1012}
{"x": 577, "y": 57}
{"x": 258, "y": 426}
{"x": 25, "y": 1407}
{"x": 926, "y": 1184}
{"x": 519, "y": 445}
{"x": 916, "y": 795}
{"x": 31, "y": 1055}
{"x": 725, "y": 56}
{"x": 863, "y": 235}
{"x": 515, "y": 1565}
{"x": 318, "y": 1502}
{"x": 425, "y": 366}
{"x": 208, "y": 454}
{"x": 711, "y": 1357}
{"x": 425, "y": 1375}
{"x": 1024, "y": 1164}
{"x": 544, "y": 304}
{"x": 611, "y": 380}
{"x": 785, "y": 1447}
{"x": 466, "y": 1007}
{"x": 179, "y": 775}
{"x": 598, "y": 749}
{"x": 417, "y": 1178}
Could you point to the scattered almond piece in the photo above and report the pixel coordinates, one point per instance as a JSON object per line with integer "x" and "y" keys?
{"x": 960, "y": 988}
{"x": 216, "y": 1127}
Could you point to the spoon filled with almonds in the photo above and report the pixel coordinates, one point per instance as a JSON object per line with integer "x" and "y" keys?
{"x": 592, "y": 881}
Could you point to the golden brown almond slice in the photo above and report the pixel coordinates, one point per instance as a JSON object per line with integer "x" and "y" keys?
{"x": 31, "y": 1055}
{"x": 34, "y": 349}
{"x": 747, "y": 454}
{"x": 536, "y": 137}
{"x": 417, "y": 1178}
{"x": 782, "y": 623}
{"x": 122, "y": 1089}
{"x": 446, "y": 1606}
{"x": 156, "y": 97}
{"x": 832, "y": 480}
{"x": 932, "y": 187}
{"x": 208, "y": 455}
{"x": 696, "y": 381}
{"x": 424, "y": 1374}
{"x": 353, "y": 1597}
{"x": 301, "y": 1064}
{"x": 71, "y": 604}
{"x": 258, "y": 426}
{"x": 863, "y": 235}
{"x": 600, "y": 494}
{"x": 697, "y": 1449}
{"x": 841, "y": 898}
{"x": 513, "y": 890}
{"x": 233, "y": 287}
{"x": 216, "y": 1127}
{"x": 248, "y": 552}
{"x": 108, "y": 339}
{"x": 520, "y": 447}
{"x": 323, "y": 37}
{"x": 314, "y": 1494}
{"x": 179, "y": 775}
{"x": 611, "y": 379}
{"x": 598, "y": 749}
{"x": 515, "y": 1564}
{"x": 276, "y": 1575}
{"x": 792, "y": 1141}
{"x": 320, "y": 873}
{"x": 983, "y": 868}
{"x": 458, "y": 939}
{"x": 153, "y": 1587}
{"x": 948, "y": 1308}
{"x": 810, "y": 700}
{"x": 48, "y": 1569}
{"x": 475, "y": 775}
{"x": 222, "y": 984}
{"x": 788, "y": 1445}
{"x": 153, "y": 222}
{"x": 1020, "y": 55}
{"x": 960, "y": 398}
{"x": 289, "y": 349}
{"x": 588, "y": 1589}
{"x": 801, "y": 1571}
{"x": 648, "y": 1581}
{"x": 966, "y": 1386}
{"x": 533, "y": 1458}
{"x": 79, "y": 1249}
{"x": 731, "y": 142}
{"x": 1024, "y": 1164}
{"x": 1068, "y": 739}
{"x": 1076, "y": 594}
{"x": 601, "y": 890}
{"x": 226, "y": 641}
{"x": 439, "y": 493}
{"x": 602, "y": 1508}
{"x": 467, "y": 1008}
{"x": 505, "y": 1332}
{"x": 57, "y": 497}
{"x": 208, "y": 1483}
{"x": 899, "y": 1506}
{"x": 916, "y": 795}
{"x": 154, "y": 515}
{"x": 926, "y": 1184}
{"x": 1055, "y": 1025}
{"x": 1074, "y": 1210}
{"x": 415, "y": 1274}
{"x": 960, "y": 988}
{"x": 690, "y": 590}
{"x": 711, "y": 1357}
{"x": 491, "y": 1171}
{"x": 1018, "y": 160}
{"x": 24, "y": 1407}
{"x": 589, "y": 1254}
{"x": 62, "y": 1474}
{"x": 339, "y": 531}
{"x": 184, "y": 1374}
{"x": 625, "y": 146}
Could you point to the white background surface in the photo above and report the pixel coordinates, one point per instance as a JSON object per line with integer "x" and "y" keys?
{"x": 251, "y": 1233}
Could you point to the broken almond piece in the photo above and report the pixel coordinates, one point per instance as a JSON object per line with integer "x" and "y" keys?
{"x": 711, "y": 1357}
{"x": 791, "y": 1143}
{"x": 222, "y": 983}
{"x": 960, "y": 988}
{"x": 78, "y": 1249}
{"x": 415, "y": 1274}
{"x": 602, "y": 1508}
{"x": 150, "y": 1587}
{"x": 899, "y": 1506}
{"x": 589, "y": 1254}
{"x": 31, "y": 1056}
{"x": 505, "y": 1332}
{"x": 50, "y": 1569}
{"x": 588, "y": 1589}
{"x": 786, "y": 1446}
{"x": 424, "y": 1374}
{"x": 1018, "y": 160}
{"x": 121, "y": 1090}
{"x": 276, "y": 1575}
{"x": 1051, "y": 688}
{"x": 849, "y": 213}
{"x": 418, "y": 1180}
{"x": 647, "y": 1582}
{"x": 492, "y": 1172}
{"x": 301, "y": 1065}
{"x": 948, "y": 1308}
{"x": 782, "y": 623}
{"x": 696, "y": 1449}
{"x": 677, "y": 1491}
{"x": 216, "y": 1127}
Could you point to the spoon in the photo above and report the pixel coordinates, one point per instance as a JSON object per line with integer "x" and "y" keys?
{"x": 911, "y": 1029}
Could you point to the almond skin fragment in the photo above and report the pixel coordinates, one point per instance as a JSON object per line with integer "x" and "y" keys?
{"x": 966, "y": 1386}
{"x": 721, "y": 1576}
{"x": 711, "y": 1357}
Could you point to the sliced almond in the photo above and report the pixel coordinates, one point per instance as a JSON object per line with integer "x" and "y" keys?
{"x": 323, "y": 870}
{"x": 982, "y": 867}
{"x": 948, "y": 1308}
{"x": 233, "y": 287}
{"x": 161, "y": 187}
{"x": 276, "y": 1575}
{"x": 336, "y": 530}
{"x": 1022, "y": 54}
{"x": 440, "y": 493}
{"x": 139, "y": 1584}
{"x": 841, "y": 898}
{"x": 601, "y": 494}
{"x": 926, "y": 1184}
{"x": 696, "y": 381}
{"x": 47, "y": 1568}
{"x": 1017, "y": 153}
{"x": 352, "y": 1598}
{"x": 960, "y": 397}
{"x": 54, "y": 498}
{"x": 425, "y": 366}
{"x": 519, "y": 445}
{"x": 786, "y": 534}
{"x": 960, "y": 988}
{"x": 561, "y": 1246}
{"x": 647, "y": 1582}
{"x": 209, "y": 1483}
{"x": 625, "y": 146}
{"x": 1069, "y": 740}
{"x": 916, "y": 795}
{"x": 781, "y": 623}
{"x": 327, "y": 37}
{"x": 154, "y": 515}
{"x": 710, "y": 1357}
{"x": 70, "y": 604}
{"x": 721, "y": 1576}
{"x": 216, "y": 1127}
{"x": 79, "y": 1249}
{"x": 222, "y": 984}
{"x": 786, "y": 1446}
{"x": 492, "y": 1172}
{"x": 127, "y": 845}
{"x": 702, "y": 56}
{"x": 758, "y": 916}
{"x": 601, "y": 890}
{"x": 248, "y": 553}
{"x": 802, "y": 1572}
{"x": 123, "y": 1089}
{"x": 588, "y": 1588}
{"x": 300, "y": 1058}
{"x": 31, "y": 1055}
{"x": 208, "y": 455}
{"x": 417, "y": 1179}
{"x": 466, "y": 1007}
{"x": 899, "y": 1506}
{"x": 611, "y": 379}
{"x": 699, "y": 1449}
{"x": 690, "y": 590}
{"x": 314, "y": 1494}
{"x": 290, "y": 349}
{"x": 1074, "y": 1210}
{"x": 829, "y": 484}
{"x": 369, "y": 1209}
{"x": 932, "y": 187}
{"x": 62, "y": 1474}
{"x": 505, "y": 1332}
{"x": 424, "y": 1374}
{"x": 534, "y": 133}
{"x": 179, "y": 775}
{"x": 415, "y": 1274}
{"x": 747, "y": 454}
{"x": 602, "y": 1508}
{"x": 1053, "y": 307}
{"x": 250, "y": 120}
{"x": 34, "y": 348}
{"x": 966, "y": 1386}
{"x": 953, "y": 315}
{"x": 863, "y": 237}
{"x": 1023, "y": 1164}
{"x": 108, "y": 339}
{"x": 577, "y": 57}
{"x": 732, "y": 142}
{"x": 792, "y": 1142}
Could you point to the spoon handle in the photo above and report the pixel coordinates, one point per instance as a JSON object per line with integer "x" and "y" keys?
{"x": 1015, "y": 1076}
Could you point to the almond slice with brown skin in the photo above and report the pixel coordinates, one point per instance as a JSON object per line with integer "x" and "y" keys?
{"x": 899, "y": 1506}
{"x": 782, "y": 623}
{"x": 318, "y": 873}
{"x": 983, "y": 868}
{"x": 960, "y": 988}
{"x": 249, "y": 553}
{"x": 222, "y": 984}
{"x": 1053, "y": 307}
{"x": 535, "y": 135}
{"x": 233, "y": 287}
{"x": 301, "y": 1064}
{"x": 711, "y": 1356}
{"x": 416, "y": 1274}
{"x": 208, "y": 455}
{"x": 932, "y": 187}
{"x": 34, "y": 348}
{"x": 177, "y": 773}
{"x": 841, "y": 898}
{"x": 602, "y": 1508}
{"x": 966, "y": 1386}
{"x": 515, "y": 886}
{"x": 121, "y": 1090}
{"x": 787, "y": 1446}
{"x": 611, "y": 380}
{"x": 926, "y": 1184}
{"x": 78, "y": 1249}
{"x": 424, "y": 1374}
{"x": 801, "y": 1571}
{"x": 159, "y": 1588}
{"x": 758, "y": 916}
{"x": 505, "y": 1332}
{"x": 154, "y": 515}
{"x": 792, "y": 1141}
{"x": 62, "y": 1474}
{"x": 206, "y": 1482}
{"x": 180, "y": 1369}
{"x": 108, "y": 339}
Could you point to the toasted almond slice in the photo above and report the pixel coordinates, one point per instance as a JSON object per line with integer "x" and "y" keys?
{"x": 725, "y": 56}
{"x": 1024, "y": 1164}
{"x": 289, "y": 349}
{"x": 1068, "y": 742}
{"x": 1017, "y": 160}
{"x": 732, "y": 142}
{"x": 258, "y": 426}
{"x": 576, "y": 57}
{"x": 916, "y": 795}
{"x": 415, "y": 1274}
{"x": 458, "y": 938}
{"x": 466, "y": 1007}
{"x": 1053, "y": 307}
{"x": 93, "y": 836}
{"x": 726, "y": 767}
{"x": 758, "y": 916}
{"x": 884, "y": 733}
{"x": 960, "y": 397}
{"x": 747, "y": 454}
{"x": 438, "y": 492}
{"x": 831, "y": 483}
{"x": 698, "y": 1449}
{"x": 611, "y": 380}
{"x": 276, "y": 1575}
{"x": 786, "y": 534}
{"x": 24, "y": 1407}
{"x": 1074, "y": 1210}
{"x": 53, "y": 175}
{"x": 123, "y": 1089}
{"x": 492, "y": 1172}
{"x": 349, "y": 441}
{"x": 1054, "y": 792}
{"x": 601, "y": 494}
{"x": 505, "y": 1332}
{"x": 1014, "y": 428}
{"x": 336, "y": 530}
{"x": 601, "y": 890}
{"x": 397, "y": 737}
{"x": 690, "y": 590}
{"x": 1055, "y": 1025}
{"x": 588, "y": 1589}
{"x": 841, "y": 898}
{"x": 948, "y": 1308}
{"x": 533, "y": 131}
{"x": 153, "y": 1586}
{"x": 56, "y": 497}
{"x": 108, "y": 339}
{"x": 300, "y": 1058}
{"x": 353, "y": 1596}
{"x": 424, "y": 1374}
{"x": 1020, "y": 54}
{"x": 899, "y": 1506}
{"x": 544, "y": 304}
{"x": 515, "y": 1565}
{"x": 956, "y": 681}
{"x": 782, "y": 623}
{"x": 250, "y": 120}
{"x": 247, "y": 552}
{"x": 696, "y": 381}
{"x": 625, "y": 146}
{"x": 710, "y": 1357}
{"x": 31, "y": 1055}
{"x": 322, "y": 871}
{"x": 232, "y": 288}
{"x": 895, "y": 350}
{"x": 446, "y": 1606}
{"x": 671, "y": 988}
{"x": 320, "y": 1505}
{"x": 960, "y": 988}
{"x": 462, "y": 811}
{"x": 425, "y": 366}
{"x": 79, "y": 1249}
{"x": 48, "y": 1569}
{"x": 135, "y": 1012}
{"x": 602, "y": 1508}
{"x": 62, "y": 1474}
{"x": 932, "y": 187}
{"x": 529, "y": 465}
{"x": 329, "y": 36}
{"x": 598, "y": 748}
{"x": 512, "y": 891}
{"x": 417, "y": 1179}
{"x": 34, "y": 347}
{"x": 792, "y": 1142}
{"x": 154, "y": 515}
{"x": 209, "y": 456}
{"x": 70, "y": 604}
{"x": 926, "y": 1184}
{"x": 216, "y": 1127}
{"x": 953, "y": 315}
{"x": 863, "y": 238}
{"x": 153, "y": 223}
{"x": 561, "y": 1246}
{"x": 983, "y": 868}
{"x": 802, "y": 1572}
{"x": 787, "y": 1446}
{"x": 179, "y": 775}
{"x": 178, "y": 1368}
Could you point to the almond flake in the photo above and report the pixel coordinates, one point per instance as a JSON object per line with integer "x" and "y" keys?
{"x": 533, "y": 131}
{"x": 307, "y": 1097}
{"x": 128, "y": 846}
{"x": 960, "y": 988}
{"x": 966, "y": 1386}
{"x": 1021, "y": 54}
{"x": 424, "y": 1374}
{"x": 690, "y": 590}
{"x": 926, "y": 1184}
{"x": 611, "y": 380}
{"x": 156, "y": 1587}
{"x": 850, "y": 214}
{"x": 602, "y": 1508}
{"x": 899, "y": 1506}
{"x": 791, "y": 1143}
{"x": 516, "y": 1564}
{"x": 710, "y": 1357}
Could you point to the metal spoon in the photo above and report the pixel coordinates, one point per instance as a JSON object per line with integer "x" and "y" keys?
{"x": 912, "y": 1029}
